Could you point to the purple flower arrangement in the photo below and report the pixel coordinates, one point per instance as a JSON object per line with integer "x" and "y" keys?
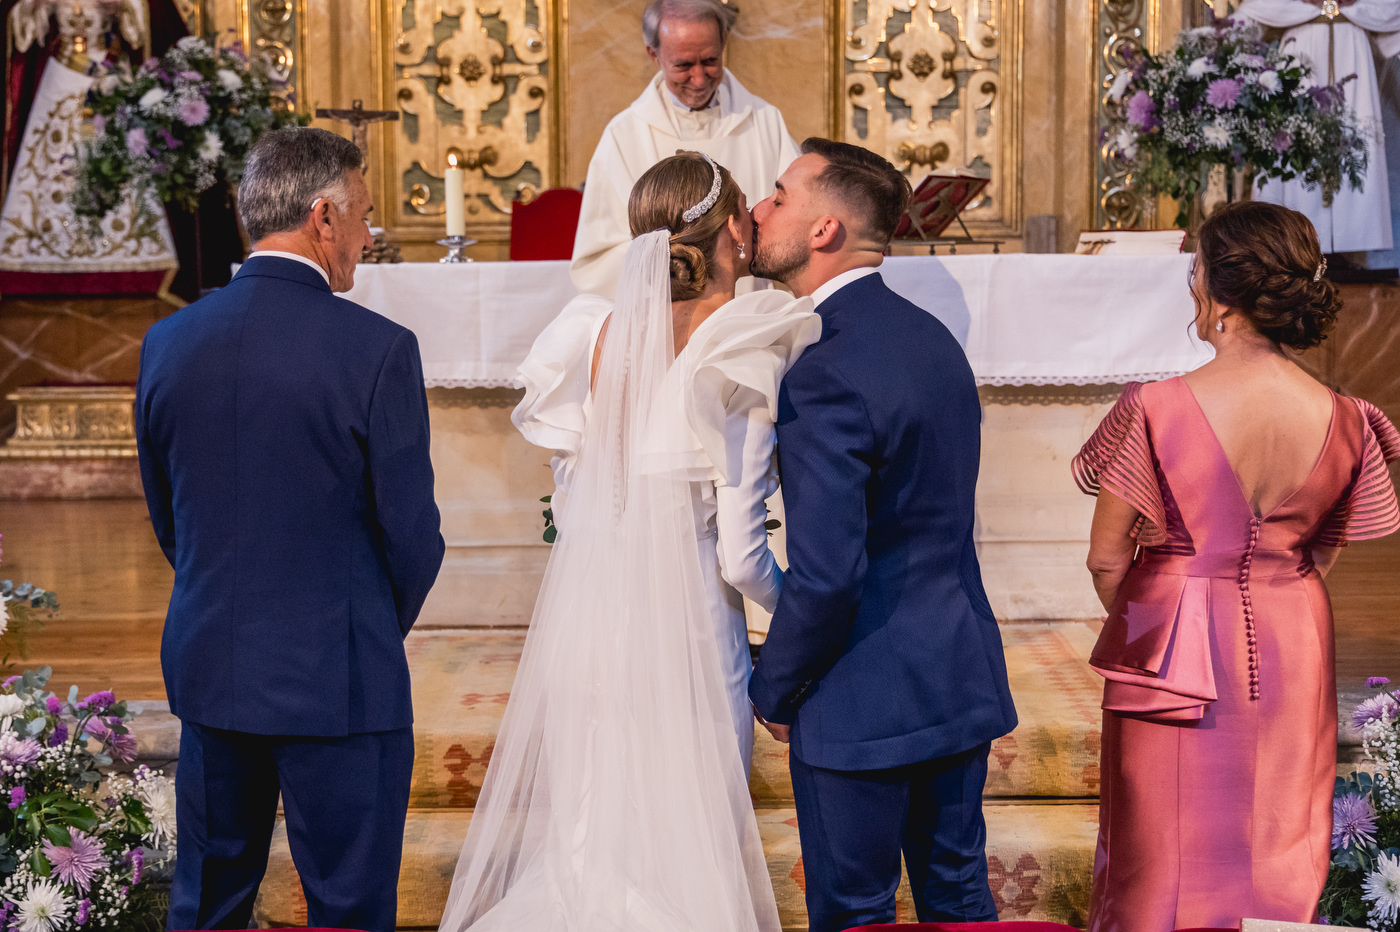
{"x": 174, "y": 127}
{"x": 81, "y": 846}
{"x": 1224, "y": 96}
{"x": 1363, "y": 884}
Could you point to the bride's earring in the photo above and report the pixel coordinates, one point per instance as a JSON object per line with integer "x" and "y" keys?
{"x": 741, "y": 251}
{"x": 1220, "y": 326}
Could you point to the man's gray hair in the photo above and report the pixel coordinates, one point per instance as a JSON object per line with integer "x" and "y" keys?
{"x": 690, "y": 11}
{"x": 285, "y": 173}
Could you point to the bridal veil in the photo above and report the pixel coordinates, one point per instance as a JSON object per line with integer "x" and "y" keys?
{"x": 616, "y": 799}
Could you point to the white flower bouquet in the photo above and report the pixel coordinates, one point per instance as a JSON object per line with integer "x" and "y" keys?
{"x": 1224, "y": 96}
{"x": 174, "y": 126}
{"x": 78, "y": 845}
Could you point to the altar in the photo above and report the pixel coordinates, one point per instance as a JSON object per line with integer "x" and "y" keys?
{"x": 1050, "y": 338}
{"x": 1022, "y": 319}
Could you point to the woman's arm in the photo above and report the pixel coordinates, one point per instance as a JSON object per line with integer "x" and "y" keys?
{"x": 744, "y": 558}
{"x": 1111, "y": 545}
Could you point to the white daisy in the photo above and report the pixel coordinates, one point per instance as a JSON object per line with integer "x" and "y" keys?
{"x": 1269, "y": 81}
{"x": 44, "y": 908}
{"x": 1120, "y": 84}
{"x": 1382, "y": 887}
{"x": 152, "y": 98}
{"x": 1216, "y": 135}
{"x": 1200, "y": 67}
{"x": 229, "y": 80}
{"x": 158, "y": 793}
{"x": 212, "y": 147}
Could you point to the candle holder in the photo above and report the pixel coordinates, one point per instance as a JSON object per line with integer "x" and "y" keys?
{"x": 456, "y": 249}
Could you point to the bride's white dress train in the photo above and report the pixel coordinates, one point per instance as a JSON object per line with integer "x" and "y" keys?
{"x": 617, "y": 793}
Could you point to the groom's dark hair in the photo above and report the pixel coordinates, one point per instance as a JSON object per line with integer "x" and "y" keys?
{"x": 863, "y": 181}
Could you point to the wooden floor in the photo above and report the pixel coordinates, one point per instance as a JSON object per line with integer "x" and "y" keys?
{"x": 113, "y": 584}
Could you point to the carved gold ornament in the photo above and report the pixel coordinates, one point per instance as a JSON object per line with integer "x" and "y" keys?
{"x": 472, "y": 81}
{"x": 1123, "y": 26}
{"x": 72, "y": 421}
{"x": 928, "y": 84}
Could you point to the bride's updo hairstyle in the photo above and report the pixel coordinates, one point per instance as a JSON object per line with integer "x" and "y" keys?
{"x": 1264, "y": 260}
{"x": 660, "y": 199}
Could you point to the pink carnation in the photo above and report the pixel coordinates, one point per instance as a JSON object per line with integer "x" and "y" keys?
{"x": 192, "y": 111}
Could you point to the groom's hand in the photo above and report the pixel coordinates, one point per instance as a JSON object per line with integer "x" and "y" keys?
{"x": 779, "y": 732}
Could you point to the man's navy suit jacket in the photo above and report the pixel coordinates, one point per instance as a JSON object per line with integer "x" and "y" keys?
{"x": 283, "y": 442}
{"x": 883, "y": 650}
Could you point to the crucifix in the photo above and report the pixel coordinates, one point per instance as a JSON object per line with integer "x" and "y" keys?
{"x": 359, "y": 119}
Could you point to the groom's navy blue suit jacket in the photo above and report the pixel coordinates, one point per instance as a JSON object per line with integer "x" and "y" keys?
{"x": 283, "y": 442}
{"x": 883, "y": 650}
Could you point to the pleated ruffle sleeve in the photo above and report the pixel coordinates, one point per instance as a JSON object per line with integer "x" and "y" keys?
{"x": 1369, "y": 509}
{"x": 1119, "y": 458}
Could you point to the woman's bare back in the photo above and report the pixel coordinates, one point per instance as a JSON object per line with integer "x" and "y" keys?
{"x": 1271, "y": 419}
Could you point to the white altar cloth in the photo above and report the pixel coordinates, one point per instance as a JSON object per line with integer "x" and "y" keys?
{"x": 1023, "y": 319}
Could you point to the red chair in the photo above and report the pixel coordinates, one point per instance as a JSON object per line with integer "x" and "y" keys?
{"x": 966, "y": 927}
{"x": 544, "y": 228}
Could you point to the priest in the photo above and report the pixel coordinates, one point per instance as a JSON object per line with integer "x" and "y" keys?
{"x": 693, "y": 102}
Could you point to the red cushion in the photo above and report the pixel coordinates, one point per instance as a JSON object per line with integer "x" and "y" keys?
{"x": 968, "y": 927}
{"x": 545, "y": 227}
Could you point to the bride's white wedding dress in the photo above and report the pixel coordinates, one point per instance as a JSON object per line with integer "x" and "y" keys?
{"x": 617, "y": 793}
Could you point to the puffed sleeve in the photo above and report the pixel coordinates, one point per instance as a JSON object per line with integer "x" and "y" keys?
{"x": 556, "y": 379}
{"x": 1369, "y": 508}
{"x": 737, "y": 362}
{"x": 1119, "y": 457}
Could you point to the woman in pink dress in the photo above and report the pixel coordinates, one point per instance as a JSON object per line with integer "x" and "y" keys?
{"x": 1223, "y": 496}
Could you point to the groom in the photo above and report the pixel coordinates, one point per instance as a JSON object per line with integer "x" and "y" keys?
{"x": 283, "y": 441}
{"x": 883, "y": 664}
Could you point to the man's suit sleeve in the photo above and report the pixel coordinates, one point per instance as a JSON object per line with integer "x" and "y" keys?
{"x": 401, "y": 473}
{"x": 159, "y": 493}
{"x": 826, "y": 444}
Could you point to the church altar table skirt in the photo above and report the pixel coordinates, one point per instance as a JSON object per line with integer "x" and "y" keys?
{"x": 1023, "y": 319}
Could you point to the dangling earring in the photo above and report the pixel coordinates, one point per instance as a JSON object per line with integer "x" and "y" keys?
{"x": 741, "y": 251}
{"x": 1220, "y": 326}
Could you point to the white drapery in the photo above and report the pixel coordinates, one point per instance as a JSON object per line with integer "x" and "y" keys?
{"x": 1023, "y": 319}
{"x": 1356, "y": 220}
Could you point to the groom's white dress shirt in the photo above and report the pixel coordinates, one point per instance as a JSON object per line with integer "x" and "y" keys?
{"x": 294, "y": 257}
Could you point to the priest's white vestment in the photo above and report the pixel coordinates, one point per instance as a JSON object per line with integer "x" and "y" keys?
{"x": 742, "y": 132}
{"x": 1357, "y": 220}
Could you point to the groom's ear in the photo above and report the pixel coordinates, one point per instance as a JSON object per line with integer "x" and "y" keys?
{"x": 827, "y": 233}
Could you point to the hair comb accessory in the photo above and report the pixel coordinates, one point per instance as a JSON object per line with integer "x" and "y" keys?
{"x": 1321, "y": 270}
{"x": 702, "y": 208}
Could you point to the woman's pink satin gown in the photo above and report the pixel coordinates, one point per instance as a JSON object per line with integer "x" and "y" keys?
{"x": 1220, "y": 706}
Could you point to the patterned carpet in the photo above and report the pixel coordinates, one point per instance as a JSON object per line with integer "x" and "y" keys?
{"x": 1041, "y": 790}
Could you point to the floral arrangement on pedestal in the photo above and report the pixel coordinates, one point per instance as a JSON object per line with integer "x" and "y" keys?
{"x": 175, "y": 126}
{"x": 1224, "y": 96}
{"x": 1363, "y": 885}
{"x": 79, "y": 847}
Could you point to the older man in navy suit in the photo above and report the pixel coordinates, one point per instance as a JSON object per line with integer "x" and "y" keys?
{"x": 283, "y": 441}
{"x": 883, "y": 665}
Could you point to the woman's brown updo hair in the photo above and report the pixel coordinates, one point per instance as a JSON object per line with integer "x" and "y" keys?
{"x": 661, "y": 197}
{"x": 1261, "y": 259}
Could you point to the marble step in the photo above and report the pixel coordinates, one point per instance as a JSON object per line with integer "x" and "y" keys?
{"x": 462, "y": 680}
{"x": 1040, "y": 859}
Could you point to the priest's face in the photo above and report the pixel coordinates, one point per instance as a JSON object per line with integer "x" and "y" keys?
{"x": 782, "y": 223}
{"x": 691, "y": 58}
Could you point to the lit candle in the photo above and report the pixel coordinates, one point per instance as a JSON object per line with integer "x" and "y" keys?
{"x": 455, "y": 180}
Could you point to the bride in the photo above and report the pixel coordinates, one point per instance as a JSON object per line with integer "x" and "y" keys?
{"x": 617, "y": 793}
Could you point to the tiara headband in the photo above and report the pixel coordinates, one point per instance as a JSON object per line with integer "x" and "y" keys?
{"x": 702, "y": 208}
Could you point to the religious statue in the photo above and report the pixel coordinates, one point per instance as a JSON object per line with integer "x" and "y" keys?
{"x": 44, "y": 247}
{"x": 694, "y": 103}
{"x": 1337, "y": 37}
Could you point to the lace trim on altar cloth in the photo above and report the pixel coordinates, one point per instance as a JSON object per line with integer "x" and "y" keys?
{"x": 1115, "y": 379}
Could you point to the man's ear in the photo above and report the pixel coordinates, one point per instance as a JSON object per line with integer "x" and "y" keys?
{"x": 826, "y": 232}
{"x": 321, "y": 215}
{"x": 655, "y": 58}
